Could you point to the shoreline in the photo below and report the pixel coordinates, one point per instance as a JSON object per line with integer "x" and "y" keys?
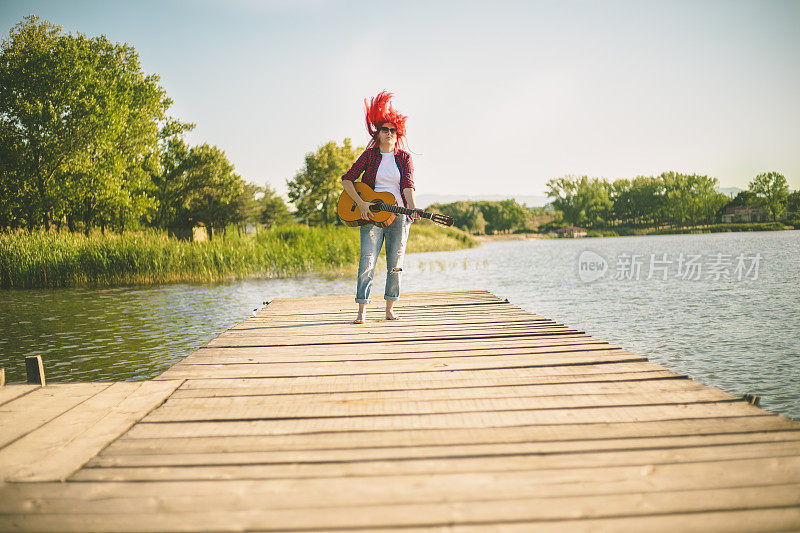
{"x": 645, "y": 232}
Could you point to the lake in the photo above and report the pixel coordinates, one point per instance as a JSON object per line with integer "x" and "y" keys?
{"x": 721, "y": 308}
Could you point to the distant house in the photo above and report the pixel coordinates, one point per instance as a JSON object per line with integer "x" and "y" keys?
{"x": 199, "y": 233}
{"x": 571, "y": 232}
{"x": 743, "y": 213}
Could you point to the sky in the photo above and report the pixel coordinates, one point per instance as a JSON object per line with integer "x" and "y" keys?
{"x": 501, "y": 96}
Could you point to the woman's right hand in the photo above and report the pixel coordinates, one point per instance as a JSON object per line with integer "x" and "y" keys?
{"x": 364, "y": 208}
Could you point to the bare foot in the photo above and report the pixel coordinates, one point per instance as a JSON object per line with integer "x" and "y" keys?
{"x": 391, "y": 316}
{"x": 358, "y": 320}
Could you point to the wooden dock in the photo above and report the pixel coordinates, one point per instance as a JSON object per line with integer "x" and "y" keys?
{"x": 470, "y": 414}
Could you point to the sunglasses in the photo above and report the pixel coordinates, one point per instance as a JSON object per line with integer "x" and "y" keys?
{"x": 386, "y": 129}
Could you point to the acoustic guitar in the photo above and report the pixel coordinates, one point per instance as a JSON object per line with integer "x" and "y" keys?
{"x": 383, "y": 209}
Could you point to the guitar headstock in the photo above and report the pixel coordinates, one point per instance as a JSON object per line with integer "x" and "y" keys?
{"x": 442, "y": 220}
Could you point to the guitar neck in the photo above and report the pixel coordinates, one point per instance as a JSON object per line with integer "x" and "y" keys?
{"x": 400, "y": 210}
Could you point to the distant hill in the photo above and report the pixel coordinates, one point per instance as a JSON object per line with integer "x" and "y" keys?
{"x": 730, "y": 191}
{"x": 424, "y": 200}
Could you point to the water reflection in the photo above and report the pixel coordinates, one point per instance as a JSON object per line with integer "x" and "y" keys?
{"x": 738, "y": 335}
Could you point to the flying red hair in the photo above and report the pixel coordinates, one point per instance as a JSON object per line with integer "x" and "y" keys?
{"x": 379, "y": 111}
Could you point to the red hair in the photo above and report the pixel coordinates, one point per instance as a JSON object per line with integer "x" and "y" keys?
{"x": 379, "y": 111}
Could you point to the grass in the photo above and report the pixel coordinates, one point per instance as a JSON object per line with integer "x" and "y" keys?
{"x": 51, "y": 260}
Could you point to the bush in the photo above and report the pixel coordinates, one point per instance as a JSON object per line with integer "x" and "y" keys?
{"x": 602, "y": 233}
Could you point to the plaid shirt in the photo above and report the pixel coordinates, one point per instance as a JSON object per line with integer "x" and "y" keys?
{"x": 370, "y": 160}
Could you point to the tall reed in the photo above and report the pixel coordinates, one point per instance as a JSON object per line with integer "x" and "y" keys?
{"x": 48, "y": 260}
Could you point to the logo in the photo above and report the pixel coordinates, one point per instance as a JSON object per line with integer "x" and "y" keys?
{"x": 591, "y": 266}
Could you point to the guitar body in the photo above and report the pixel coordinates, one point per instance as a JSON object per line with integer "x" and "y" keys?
{"x": 348, "y": 211}
{"x": 382, "y": 209}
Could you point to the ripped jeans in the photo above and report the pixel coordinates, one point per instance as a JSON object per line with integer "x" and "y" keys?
{"x": 372, "y": 237}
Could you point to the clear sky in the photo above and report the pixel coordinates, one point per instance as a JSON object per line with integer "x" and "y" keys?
{"x": 501, "y": 95}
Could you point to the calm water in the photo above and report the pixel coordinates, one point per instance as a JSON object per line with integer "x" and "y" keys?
{"x": 736, "y": 329}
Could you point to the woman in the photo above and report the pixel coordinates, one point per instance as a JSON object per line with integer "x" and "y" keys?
{"x": 386, "y": 168}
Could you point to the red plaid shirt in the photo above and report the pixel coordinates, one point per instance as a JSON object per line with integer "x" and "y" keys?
{"x": 370, "y": 160}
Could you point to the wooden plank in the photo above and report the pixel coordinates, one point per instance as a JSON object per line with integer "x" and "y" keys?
{"x": 507, "y": 390}
{"x": 55, "y": 450}
{"x": 478, "y": 363}
{"x": 448, "y": 347}
{"x": 567, "y": 352}
{"x": 494, "y": 419}
{"x": 324, "y": 340}
{"x": 260, "y": 355}
{"x": 11, "y": 392}
{"x": 26, "y": 413}
{"x": 748, "y": 520}
{"x": 259, "y": 407}
{"x": 432, "y": 515}
{"x": 428, "y": 323}
{"x": 423, "y": 330}
{"x": 434, "y": 464}
{"x": 188, "y": 496}
{"x": 267, "y": 456}
{"x": 705, "y": 427}
{"x": 414, "y": 382}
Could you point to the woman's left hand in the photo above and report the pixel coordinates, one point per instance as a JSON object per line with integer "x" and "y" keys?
{"x": 415, "y": 215}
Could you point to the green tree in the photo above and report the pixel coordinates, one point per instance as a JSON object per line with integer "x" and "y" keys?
{"x": 506, "y": 215}
{"x": 272, "y": 208}
{"x": 81, "y": 119}
{"x": 316, "y": 188}
{"x": 216, "y": 192}
{"x": 793, "y": 202}
{"x": 198, "y": 185}
{"x": 466, "y": 215}
{"x": 171, "y": 183}
{"x": 564, "y": 190}
{"x": 772, "y": 192}
{"x": 648, "y": 201}
{"x": 583, "y": 201}
{"x": 744, "y": 198}
{"x": 621, "y": 200}
{"x": 13, "y": 210}
{"x": 249, "y": 205}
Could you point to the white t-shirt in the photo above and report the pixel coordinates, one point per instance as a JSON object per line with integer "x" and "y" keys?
{"x": 388, "y": 177}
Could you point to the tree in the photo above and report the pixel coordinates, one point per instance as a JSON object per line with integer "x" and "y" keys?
{"x": 79, "y": 123}
{"x": 272, "y": 208}
{"x": 249, "y": 206}
{"x": 793, "y": 203}
{"x": 622, "y": 200}
{"x": 316, "y": 188}
{"x": 215, "y": 193}
{"x": 564, "y": 192}
{"x": 583, "y": 201}
{"x": 466, "y": 215}
{"x": 772, "y": 192}
{"x": 744, "y": 198}
{"x": 171, "y": 183}
{"x": 505, "y": 215}
{"x": 648, "y": 200}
